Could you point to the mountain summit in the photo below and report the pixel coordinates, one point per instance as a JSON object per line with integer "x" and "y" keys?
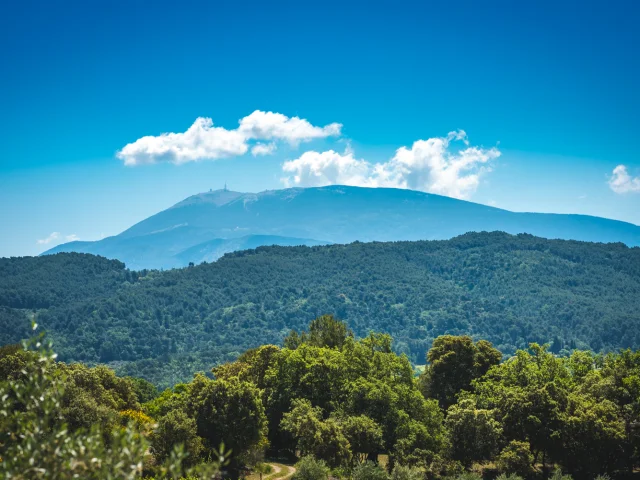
{"x": 207, "y": 225}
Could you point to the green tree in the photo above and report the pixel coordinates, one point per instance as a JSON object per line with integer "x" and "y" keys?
{"x": 473, "y": 433}
{"x": 174, "y": 429}
{"x": 230, "y": 413}
{"x": 320, "y": 438}
{"x": 364, "y": 436}
{"x": 324, "y": 331}
{"x": 453, "y": 363}
{"x": 145, "y": 391}
{"x": 529, "y": 394}
{"x": 93, "y": 395}
{"x": 593, "y": 437}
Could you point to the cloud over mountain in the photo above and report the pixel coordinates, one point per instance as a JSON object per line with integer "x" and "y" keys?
{"x": 444, "y": 165}
{"x": 53, "y": 236}
{"x": 447, "y": 165}
{"x": 204, "y": 141}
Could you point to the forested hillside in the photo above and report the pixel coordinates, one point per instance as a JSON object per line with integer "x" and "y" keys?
{"x": 510, "y": 290}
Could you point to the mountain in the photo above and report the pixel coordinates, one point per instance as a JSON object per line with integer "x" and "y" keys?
{"x": 165, "y": 325}
{"x": 216, "y": 221}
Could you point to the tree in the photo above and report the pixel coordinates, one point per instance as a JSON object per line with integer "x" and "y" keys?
{"x": 145, "y": 391}
{"x": 324, "y": 331}
{"x": 529, "y": 395}
{"x": 229, "y": 413}
{"x": 593, "y": 437}
{"x": 323, "y": 439}
{"x": 416, "y": 443}
{"x": 174, "y": 429}
{"x": 364, "y": 436}
{"x": 93, "y": 395}
{"x": 453, "y": 363}
{"x": 473, "y": 433}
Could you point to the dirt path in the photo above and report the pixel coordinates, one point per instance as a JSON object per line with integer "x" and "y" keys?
{"x": 292, "y": 470}
{"x": 277, "y": 472}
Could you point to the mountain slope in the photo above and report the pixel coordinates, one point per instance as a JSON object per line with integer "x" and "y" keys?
{"x": 335, "y": 214}
{"x": 166, "y": 325}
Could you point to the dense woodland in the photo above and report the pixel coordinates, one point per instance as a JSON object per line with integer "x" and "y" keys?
{"x": 334, "y": 404}
{"x": 166, "y": 325}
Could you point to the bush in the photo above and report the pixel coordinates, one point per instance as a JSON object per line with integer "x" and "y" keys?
{"x": 469, "y": 476}
{"x": 558, "y": 475}
{"x": 369, "y": 471}
{"x": 308, "y": 468}
{"x": 511, "y": 476}
{"x": 36, "y": 441}
{"x": 401, "y": 472}
{"x": 515, "y": 458}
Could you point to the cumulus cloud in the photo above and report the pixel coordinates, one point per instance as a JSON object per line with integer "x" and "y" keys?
{"x": 270, "y": 125}
{"x": 432, "y": 165}
{"x": 315, "y": 169}
{"x": 53, "y": 236}
{"x": 622, "y": 182}
{"x": 72, "y": 238}
{"x": 204, "y": 141}
{"x": 263, "y": 149}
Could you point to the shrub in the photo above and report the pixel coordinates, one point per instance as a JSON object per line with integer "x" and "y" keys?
{"x": 369, "y": 471}
{"x": 37, "y": 443}
{"x": 142, "y": 421}
{"x": 308, "y": 468}
{"x": 516, "y": 458}
{"x": 469, "y": 476}
{"x": 511, "y": 476}
{"x": 401, "y": 472}
{"x": 558, "y": 475}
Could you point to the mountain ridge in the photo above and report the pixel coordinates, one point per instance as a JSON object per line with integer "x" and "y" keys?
{"x": 332, "y": 214}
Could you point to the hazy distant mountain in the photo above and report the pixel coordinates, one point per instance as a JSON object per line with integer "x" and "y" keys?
{"x": 205, "y": 226}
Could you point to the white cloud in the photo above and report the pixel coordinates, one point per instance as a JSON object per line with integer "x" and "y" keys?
{"x": 51, "y": 238}
{"x": 201, "y": 141}
{"x": 56, "y": 238}
{"x": 204, "y": 141}
{"x": 270, "y": 125}
{"x": 263, "y": 149}
{"x": 314, "y": 169}
{"x": 622, "y": 182}
{"x": 429, "y": 165}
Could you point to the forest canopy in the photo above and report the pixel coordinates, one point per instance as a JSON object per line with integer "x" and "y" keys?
{"x": 166, "y": 325}
{"x": 335, "y": 404}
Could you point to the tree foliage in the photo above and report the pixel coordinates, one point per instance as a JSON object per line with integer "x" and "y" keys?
{"x": 165, "y": 326}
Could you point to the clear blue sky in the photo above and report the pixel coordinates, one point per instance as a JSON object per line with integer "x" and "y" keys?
{"x": 552, "y": 85}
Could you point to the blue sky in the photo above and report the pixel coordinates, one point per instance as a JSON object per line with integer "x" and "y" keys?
{"x": 546, "y": 93}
